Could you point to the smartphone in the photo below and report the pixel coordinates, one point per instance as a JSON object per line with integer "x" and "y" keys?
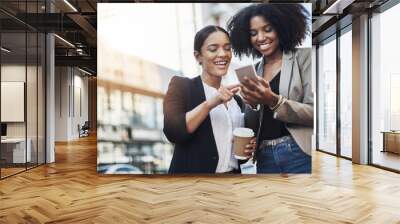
{"x": 247, "y": 71}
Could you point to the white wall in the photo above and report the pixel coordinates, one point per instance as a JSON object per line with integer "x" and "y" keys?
{"x": 71, "y": 87}
{"x": 61, "y": 103}
{"x": 80, "y": 94}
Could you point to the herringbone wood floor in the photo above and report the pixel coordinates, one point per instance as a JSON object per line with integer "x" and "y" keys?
{"x": 70, "y": 191}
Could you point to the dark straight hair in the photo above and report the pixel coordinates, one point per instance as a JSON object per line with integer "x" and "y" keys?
{"x": 203, "y": 34}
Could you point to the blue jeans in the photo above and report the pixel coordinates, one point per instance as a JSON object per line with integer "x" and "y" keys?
{"x": 284, "y": 157}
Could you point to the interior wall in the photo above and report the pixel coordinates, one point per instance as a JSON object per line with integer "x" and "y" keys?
{"x": 81, "y": 108}
{"x": 62, "y": 81}
{"x": 71, "y": 102}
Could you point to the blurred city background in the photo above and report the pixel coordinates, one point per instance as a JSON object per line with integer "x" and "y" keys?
{"x": 140, "y": 47}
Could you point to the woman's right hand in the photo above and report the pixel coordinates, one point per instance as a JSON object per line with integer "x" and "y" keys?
{"x": 258, "y": 92}
{"x": 225, "y": 94}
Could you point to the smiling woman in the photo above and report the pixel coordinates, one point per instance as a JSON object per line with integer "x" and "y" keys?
{"x": 284, "y": 120}
{"x": 200, "y": 114}
{"x": 212, "y": 50}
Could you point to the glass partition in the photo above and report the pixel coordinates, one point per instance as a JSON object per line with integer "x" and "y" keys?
{"x": 385, "y": 89}
{"x": 327, "y": 96}
{"x": 346, "y": 93}
{"x": 23, "y": 90}
{"x": 14, "y": 153}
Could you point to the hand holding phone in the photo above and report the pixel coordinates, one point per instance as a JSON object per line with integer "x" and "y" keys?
{"x": 246, "y": 71}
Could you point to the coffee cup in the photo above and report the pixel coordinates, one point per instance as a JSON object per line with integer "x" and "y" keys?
{"x": 241, "y": 137}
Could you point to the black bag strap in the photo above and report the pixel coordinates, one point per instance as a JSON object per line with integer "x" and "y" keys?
{"x": 239, "y": 101}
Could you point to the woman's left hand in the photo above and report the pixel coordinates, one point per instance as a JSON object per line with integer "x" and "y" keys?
{"x": 251, "y": 148}
{"x": 258, "y": 92}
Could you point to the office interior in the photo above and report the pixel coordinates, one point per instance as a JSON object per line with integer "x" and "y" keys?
{"x": 49, "y": 69}
{"x": 48, "y": 82}
{"x": 49, "y": 89}
{"x": 357, "y": 81}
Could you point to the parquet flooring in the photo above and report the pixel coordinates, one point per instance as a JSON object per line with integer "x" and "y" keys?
{"x": 70, "y": 191}
{"x": 387, "y": 159}
{"x": 10, "y": 171}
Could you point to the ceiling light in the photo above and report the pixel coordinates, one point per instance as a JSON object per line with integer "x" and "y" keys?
{"x": 338, "y": 6}
{"x": 64, "y": 40}
{"x": 70, "y": 5}
{"x": 84, "y": 71}
{"x": 5, "y": 50}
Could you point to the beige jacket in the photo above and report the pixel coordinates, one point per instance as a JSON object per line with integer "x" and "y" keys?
{"x": 296, "y": 86}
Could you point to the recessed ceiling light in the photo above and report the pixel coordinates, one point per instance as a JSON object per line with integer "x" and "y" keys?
{"x": 84, "y": 71}
{"x": 64, "y": 40}
{"x": 338, "y": 6}
{"x": 70, "y": 5}
{"x": 5, "y": 50}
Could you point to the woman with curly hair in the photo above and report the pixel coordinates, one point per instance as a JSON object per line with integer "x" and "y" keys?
{"x": 280, "y": 101}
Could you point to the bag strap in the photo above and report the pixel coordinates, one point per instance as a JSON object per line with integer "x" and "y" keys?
{"x": 239, "y": 101}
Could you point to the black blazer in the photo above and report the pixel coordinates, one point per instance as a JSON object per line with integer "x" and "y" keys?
{"x": 196, "y": 152}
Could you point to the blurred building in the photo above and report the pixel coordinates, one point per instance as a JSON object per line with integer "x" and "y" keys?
{"x": 134, "y": 73}
{"x": 130, "y": 113}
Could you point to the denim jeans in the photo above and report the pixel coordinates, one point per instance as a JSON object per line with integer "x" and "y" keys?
{"x": 284, "y": 157}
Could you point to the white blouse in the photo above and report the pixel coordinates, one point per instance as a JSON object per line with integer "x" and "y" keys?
{"x": 223, "y": 121}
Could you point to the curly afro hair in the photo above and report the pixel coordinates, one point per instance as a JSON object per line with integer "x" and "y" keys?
{"x": 290, "y": 21}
